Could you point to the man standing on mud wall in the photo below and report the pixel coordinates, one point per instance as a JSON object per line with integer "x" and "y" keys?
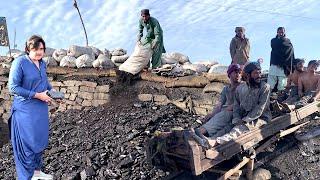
{"x": 154, "y": 36}
{"x": 281, "y": 60}
{"x": 239, "y": 47}
{"x": 251, "y": 105}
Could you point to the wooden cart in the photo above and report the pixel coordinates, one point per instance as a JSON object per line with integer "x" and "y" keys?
{"x": 176, "y": 150}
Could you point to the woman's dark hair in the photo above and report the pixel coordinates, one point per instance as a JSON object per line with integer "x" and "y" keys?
{"x": 34, "y": 43}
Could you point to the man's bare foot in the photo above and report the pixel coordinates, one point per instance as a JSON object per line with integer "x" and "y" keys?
{"x": 211, "y": 142}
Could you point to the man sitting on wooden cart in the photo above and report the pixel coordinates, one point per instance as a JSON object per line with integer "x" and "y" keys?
{"x": 220, "y": 119}
{"x": 251, "y": 105}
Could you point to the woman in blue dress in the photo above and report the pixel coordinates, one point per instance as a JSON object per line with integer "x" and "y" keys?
{"x": 29, "y": 122}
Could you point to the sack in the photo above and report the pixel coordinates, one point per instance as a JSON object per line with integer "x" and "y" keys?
{"x": 102, "y": 61}
{"x": 84, "y": 61}
{"x": 218, "y": 69}
{"x": 180, "y": 58}
{"x": 118, "y": 52}
{"x": 77, "y": 51}
{"x": 49, "y": 52}
{"x": 50, "y": 61}
{"x": 199, "y": 68}
{"x": 58, "y": 54}
{"x": 68, "y": 61}
{"x": 96, "y": 51}
{"x": 119, "y": 59}
{"x": 138, "y": 60}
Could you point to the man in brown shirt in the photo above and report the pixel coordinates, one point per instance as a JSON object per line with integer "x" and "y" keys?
{"x": 240, "y": 47}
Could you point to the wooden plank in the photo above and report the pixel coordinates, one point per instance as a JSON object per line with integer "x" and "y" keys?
{"x": 235, "y": 169}
{"x": 195, "y": 158}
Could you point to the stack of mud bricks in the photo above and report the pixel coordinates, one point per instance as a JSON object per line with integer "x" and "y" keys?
{"x": 5, "y": 99}
{"x": 200, "y": 106}
{"x": 78, "y": 94}
{"x": 81, "y": 93}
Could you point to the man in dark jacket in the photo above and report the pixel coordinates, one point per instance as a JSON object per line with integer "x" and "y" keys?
{"x": 281, "y": 61}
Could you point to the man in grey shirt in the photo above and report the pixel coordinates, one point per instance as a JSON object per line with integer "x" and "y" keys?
{"x": 251, "y": 105}
{"x": 220, "y": 119}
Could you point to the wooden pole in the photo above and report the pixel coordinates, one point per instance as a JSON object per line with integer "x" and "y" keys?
{"x": 84, "y": 28}
{"x": 235, "y": 169}
{"x": 250, "y": 166}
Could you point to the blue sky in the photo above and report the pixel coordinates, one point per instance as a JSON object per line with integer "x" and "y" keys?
{"x": 201, "y": 29}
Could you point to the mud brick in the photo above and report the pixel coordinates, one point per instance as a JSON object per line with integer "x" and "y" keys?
{"x": 101, "y": 96}
{"x": 103, "y": 89}
{"x": 72, "y": 97}
{"x": 73, "y": 89}
{"x": 70, "y": 102}
{"x": 87, "y": 89}
{"x": 145, "y": 97}
{"x": 85, "y": 95}
{"x": 4, "y": 79}
{"x": 89, "y": 84}
{"x": 79, "y": 100}
{"x": 87, "y": 103}
{"x": 160, "y": 98}
{"x": 72, "y": 83}
{"x": 100, "y": 102}
{"x": 67, "y": 95}
{"x": 56, "y": 84}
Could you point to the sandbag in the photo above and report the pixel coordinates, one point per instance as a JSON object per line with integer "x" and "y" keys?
{"x": 58, "y": 54}
{"x": 96, "y": 51}
{"x": 96, "y": 64}
{"x": 214, "y": 87}
{"x": 107, "y": 53}
{"x": 180, "y": 58}
{"x": 118, "y": 52}
{"x": 77, "y": 51}
{"x": 208, "y": 64}
{"x": 15, "y": 53}
{"x": 166, "y": 60}
{"x": 50, "y": 61}
{"x": 102, "y": 62}
{"x": 49, "y": 52}
{"x": 68, "y": 61}
{"x": 84, "y": 61}
{"x": 138, "y": 60}
{"x": 199, "y": 68}
{"x": 119, "y": 59}
{"x": 218, "y": 69}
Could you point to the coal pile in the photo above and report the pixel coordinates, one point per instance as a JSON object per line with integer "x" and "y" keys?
{"x": 301, "y": 161}
{"x": 105, "y": 142}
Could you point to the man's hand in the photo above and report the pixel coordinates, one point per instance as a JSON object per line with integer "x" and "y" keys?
{"x": 237, "y": 121}
{"x": 207, "y": 118}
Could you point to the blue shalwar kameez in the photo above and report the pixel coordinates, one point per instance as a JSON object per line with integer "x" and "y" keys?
{"x": 29, "y": 116}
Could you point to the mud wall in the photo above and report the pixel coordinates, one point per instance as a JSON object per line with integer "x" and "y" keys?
{"x": 78, "y": 94}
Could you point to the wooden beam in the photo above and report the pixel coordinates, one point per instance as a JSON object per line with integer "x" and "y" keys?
{"x": 235, "y": 169}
